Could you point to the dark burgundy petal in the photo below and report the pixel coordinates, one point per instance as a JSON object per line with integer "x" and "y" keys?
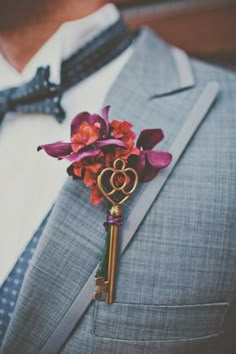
{"x": 149, "y": 173}
{"x": 57, "y": 149}
{"x": 70, "y": 171}
{"x": 141, "y": 164}
{"x": 158, "y": 159}
{"x": 107, "y": 142}
{"x": 94, "y": 118}
{"x": 77, "y": 121}
{"x": 138, "y": 163}
{"x": 148, "y": 138}
{"x": 76, "y": 157}
{"x": 105, "y": 113}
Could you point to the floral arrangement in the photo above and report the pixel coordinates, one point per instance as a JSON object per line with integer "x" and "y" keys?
{"x": 105, "y": 157}
{"x": 96, "y": 143}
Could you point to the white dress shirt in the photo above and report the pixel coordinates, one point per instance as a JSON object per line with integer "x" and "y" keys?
{"x": 29, "y": 180}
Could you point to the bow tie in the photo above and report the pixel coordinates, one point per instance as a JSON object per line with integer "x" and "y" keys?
{"x": 38, "y": 95}
{"x": 41, "y": 96}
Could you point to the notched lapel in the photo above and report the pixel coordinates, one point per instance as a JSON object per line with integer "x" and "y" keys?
{"x": 155, "y": 69}
{"x": 72, "y": 242}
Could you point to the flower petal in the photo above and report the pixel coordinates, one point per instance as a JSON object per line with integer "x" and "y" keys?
{"x": 96, "y": 197}
{"x": 94, "y": 118}
{"x": 89, "y": 179}
{"x": 148, "y": 138}
{"x": 150, "y": 162}
{"x": 105, "y": 113}
{"x": 76, "y": 157}
{"x": 108, "y": 142}
{"x": 149, "y": 173}
{"x": 137, "y": 162}
{"x": 77, "y": 121}
{"x": 103, "y": 130}
{"x": 158, "y": 159}
{"x": 58, "y": 149}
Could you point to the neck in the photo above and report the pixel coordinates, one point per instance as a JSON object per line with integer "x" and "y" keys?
{"x": 38, "y": 32}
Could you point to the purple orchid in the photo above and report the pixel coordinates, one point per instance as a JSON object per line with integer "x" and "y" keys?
{"x": 149, "y": 162}
{"x": 90, "y": 133}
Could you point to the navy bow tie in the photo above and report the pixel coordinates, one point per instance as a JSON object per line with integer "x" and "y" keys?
{"x": 41, "y": 96}
{"x": 38, "y": 95}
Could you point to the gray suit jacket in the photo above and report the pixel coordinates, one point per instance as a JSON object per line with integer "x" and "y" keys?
{"x": 176, "y": 281}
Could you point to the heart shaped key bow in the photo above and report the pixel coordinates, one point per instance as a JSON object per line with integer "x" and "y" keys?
{"x": 117, "y": 184}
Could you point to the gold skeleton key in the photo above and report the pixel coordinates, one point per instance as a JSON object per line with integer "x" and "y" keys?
{"x": 117, "y": 184}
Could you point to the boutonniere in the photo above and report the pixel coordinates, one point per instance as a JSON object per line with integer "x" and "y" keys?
{"x": 104, "y": 155}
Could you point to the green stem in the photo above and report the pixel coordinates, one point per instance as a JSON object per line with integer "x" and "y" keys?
{"x": 103, "y": 265}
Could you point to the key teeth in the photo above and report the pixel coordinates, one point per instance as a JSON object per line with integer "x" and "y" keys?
{"x": 102, "y": 287}
{"x": 97, "y": 295}
{"x": 99, "y": 281}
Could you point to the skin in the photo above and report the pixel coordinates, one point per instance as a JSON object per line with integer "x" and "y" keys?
{"x": 27, "y": 24}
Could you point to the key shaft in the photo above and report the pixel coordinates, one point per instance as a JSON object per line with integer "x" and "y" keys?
{"x": 116, "y": 211}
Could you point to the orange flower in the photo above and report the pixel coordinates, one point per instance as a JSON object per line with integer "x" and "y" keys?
{"x": 96, "y": 196}
{"x": 78, "y": 169}
{"x": 122, "y": 130}
{"x": 86, "y": 135}
{"x": 88, "y": 169}
{"x": 90, "y": 176}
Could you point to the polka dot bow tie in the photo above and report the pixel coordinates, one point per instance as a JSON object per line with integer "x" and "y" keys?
{"x": 41, "y": 96}
{"x": 38, "y": 95}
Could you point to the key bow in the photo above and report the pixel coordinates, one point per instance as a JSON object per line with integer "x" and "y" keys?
{"x": 118, "y": 183}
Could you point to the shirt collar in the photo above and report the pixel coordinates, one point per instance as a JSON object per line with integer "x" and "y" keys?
{"x": 62, "y": 44}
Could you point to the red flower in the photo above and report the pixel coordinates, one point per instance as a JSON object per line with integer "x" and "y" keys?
{"x": 86, "y": 135}
{"x": 96, "y": 196}
{"x": 122, "y": 130}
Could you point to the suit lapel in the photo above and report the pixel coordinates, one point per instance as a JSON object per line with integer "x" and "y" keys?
{"x": 155, "y": 70}
{"x": 72, "y": 242}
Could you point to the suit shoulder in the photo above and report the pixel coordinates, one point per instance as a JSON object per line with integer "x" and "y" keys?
{"x": 205, "y": 71}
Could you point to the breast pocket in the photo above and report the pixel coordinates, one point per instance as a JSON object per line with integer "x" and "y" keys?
{"x": 136, "y": 322}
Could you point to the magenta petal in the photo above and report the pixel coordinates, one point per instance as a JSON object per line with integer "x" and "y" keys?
{"x": 77, "y": 121}
{"x": 148, "y": 138}
{"x": 149, "y": 173}
{"x": 145, "y": 171}
{"x": 76, "y": 157}
{"x": 158, "y": 159}
{"x": 105, "y": 113}
{"x": 94, "y": 118}
{"x": 57, "y": 149}
{"x": 108, "y": 142}
{"x": 140, "y": 168}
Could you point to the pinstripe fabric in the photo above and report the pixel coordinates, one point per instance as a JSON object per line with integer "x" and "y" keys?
{"x": 176, "y": 282}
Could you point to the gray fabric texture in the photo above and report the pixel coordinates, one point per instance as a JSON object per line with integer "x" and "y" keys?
{"x": 176, "y": 281}
{"x": 77, "y": 309}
